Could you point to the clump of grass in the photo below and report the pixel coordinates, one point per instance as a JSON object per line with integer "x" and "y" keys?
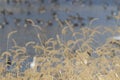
{"x": 61, "y": 59}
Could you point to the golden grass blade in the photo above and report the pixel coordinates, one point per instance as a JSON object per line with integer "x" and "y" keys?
{"x": 11, "y": 33}
{"x": 29, "y": 43}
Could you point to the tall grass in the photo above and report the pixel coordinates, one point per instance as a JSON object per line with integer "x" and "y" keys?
{"x": 75, "y": 61}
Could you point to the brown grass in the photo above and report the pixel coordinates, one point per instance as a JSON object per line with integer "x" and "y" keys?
{"x": 75, "y": 63}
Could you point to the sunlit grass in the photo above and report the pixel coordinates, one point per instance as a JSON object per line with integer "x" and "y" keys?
{"x": 75, "y": 61}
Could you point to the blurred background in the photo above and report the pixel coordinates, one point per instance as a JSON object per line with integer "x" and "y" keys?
{"x": 81, "y": 13}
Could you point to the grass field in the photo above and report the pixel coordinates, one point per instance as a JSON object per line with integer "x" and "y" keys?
{"x": 61, "y": 59}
